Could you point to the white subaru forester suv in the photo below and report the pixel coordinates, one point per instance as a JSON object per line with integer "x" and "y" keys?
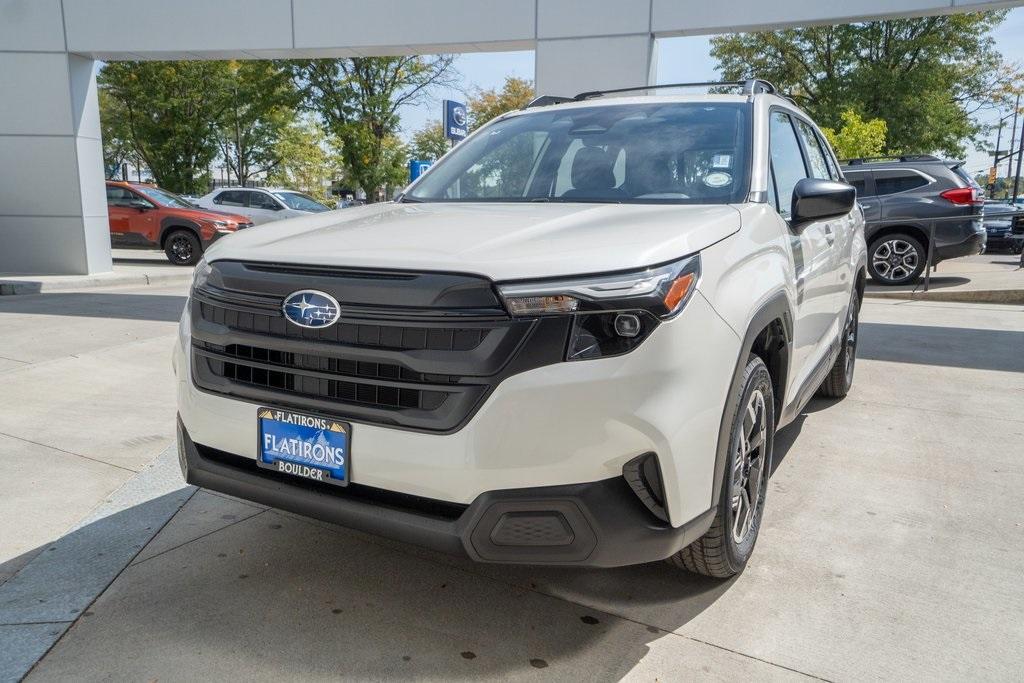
{"x": 571, "y": 342}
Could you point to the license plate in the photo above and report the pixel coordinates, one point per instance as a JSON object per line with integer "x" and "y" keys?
{"x": 309, "y": 446}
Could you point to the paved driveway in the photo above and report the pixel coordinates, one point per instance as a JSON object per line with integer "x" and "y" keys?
{"x": 892, "y": 548}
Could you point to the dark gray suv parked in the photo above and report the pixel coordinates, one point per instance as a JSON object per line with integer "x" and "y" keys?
{"x": 900, "y": 198}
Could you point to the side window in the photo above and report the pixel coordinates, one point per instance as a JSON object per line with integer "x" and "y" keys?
{"x": 230, "y": 198}
{"x": 787, "y": 160}
{"x": 118, "y": 196}
{"x": 830, "y": 159}
{"x": 258, "y": 200}
{"x": 815, "y": 154}
{"x": 891, "y": 182}
{"x": 859, "y": 181}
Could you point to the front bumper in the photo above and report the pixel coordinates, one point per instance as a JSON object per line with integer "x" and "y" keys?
{"x": 600, "y": 524}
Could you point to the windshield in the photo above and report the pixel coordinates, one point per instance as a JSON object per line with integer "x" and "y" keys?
{"x": 687, "y": 153}
{"x": 297, "y": 200}
{"x": 162, "y": 196}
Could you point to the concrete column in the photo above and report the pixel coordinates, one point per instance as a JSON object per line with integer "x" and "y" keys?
{"x": 567, "y": 66}
{"x": 53, "y": 210}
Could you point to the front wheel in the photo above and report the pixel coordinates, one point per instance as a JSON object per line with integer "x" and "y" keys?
{"x": 183, "y": 248}
{"x": 724, "y": 550}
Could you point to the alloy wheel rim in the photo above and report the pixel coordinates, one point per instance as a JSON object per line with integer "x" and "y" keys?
{"x": 895, "y": 259}
{"x": 851, "y": 339}
{"x": 181, "y": 248}
{"x": 749, "y": 466}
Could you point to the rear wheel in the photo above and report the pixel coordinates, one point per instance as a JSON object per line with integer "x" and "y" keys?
{"x": 840, "y": 377}
{"x": 896, "y": 259}
{"x": 724, "y": 550}
{"x": 183, "y": 248}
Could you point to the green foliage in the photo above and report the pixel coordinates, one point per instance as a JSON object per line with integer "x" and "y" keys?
{"x": 857, "y": 138}
{"x": 166, "y": 110}
{"x": 484, "y": 105}
{"x": 118, "y": 147}
{"x": 429, "y": 143}
{"x": 307, "y": 161}
{"x": 260, "y": 104}
{"x": 924, "y": 77}
{"x": 359, "y": 98}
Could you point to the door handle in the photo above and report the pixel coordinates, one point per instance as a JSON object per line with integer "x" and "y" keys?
{"x": 829, "y": 236}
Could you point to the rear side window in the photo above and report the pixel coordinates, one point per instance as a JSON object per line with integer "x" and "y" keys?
{"x": 787, "y": 160}
{"x": 859, "y": 181}
{"x": 231, "y": 198}
{"x": 815, "y": 154}
{"x": 891, "y": 182}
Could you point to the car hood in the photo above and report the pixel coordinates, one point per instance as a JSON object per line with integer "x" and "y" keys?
{"x": 502, "y": 241}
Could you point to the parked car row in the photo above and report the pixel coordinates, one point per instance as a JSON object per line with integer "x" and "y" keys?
{"x": 1004, "y": 225}
{"x": 150, "y": 217}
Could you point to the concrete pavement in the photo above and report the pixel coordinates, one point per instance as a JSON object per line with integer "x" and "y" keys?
{"x": 890, "y": 549}
{"x": 991, "y": 278}
{"x": 132, "y": 268}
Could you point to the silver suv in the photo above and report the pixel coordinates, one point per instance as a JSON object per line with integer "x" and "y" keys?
{"x": 570, "y": 342}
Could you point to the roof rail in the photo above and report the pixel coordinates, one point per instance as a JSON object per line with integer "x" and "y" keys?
{"x": 905, "y": 157}
{"x": 545, "y": 100}
{"x": 750, "y": 86}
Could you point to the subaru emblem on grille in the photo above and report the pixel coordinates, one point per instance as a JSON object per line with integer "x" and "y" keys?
{"x": 310, "y": 308}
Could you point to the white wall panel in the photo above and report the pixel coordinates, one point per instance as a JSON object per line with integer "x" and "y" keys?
{"x": 178, "y": 25}
{"x": 34, "y": 97}
{"x": 568, "y": 66}
{"x": 31, "y": 25}
{"x": 43, "y": 245}
{"x": 358, "y": 23}
{"x": 40, "y": 176}
{"x": 564, "y": 18}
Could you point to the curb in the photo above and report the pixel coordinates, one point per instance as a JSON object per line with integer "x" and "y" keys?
{"x": 42, "y": 601}
{"x": 972, "y": 296}
{"x": 72, "y": 283}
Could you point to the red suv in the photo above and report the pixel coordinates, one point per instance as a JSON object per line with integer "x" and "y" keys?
{"x": 150, "y": 217}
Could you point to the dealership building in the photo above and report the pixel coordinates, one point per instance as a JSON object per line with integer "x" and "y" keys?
{"x": 53, "y": 214}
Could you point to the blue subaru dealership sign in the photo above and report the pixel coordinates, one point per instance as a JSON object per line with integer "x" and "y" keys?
{"x": 456, "y": 120}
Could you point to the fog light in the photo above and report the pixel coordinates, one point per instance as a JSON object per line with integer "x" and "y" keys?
{"x": 627, "y": 325}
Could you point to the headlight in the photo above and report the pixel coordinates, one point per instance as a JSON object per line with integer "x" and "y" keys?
{"x": 200, "y": 274}
{"x": 612, "y": 314}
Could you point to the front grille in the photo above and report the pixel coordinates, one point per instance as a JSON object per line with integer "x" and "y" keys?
{"x": 425, "y": 368}
{"x": 1018, "y": 224}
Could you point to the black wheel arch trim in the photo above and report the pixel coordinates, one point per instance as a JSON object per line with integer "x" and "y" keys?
{"x": 776, "y": 308}
{"x": 172, "y": 223}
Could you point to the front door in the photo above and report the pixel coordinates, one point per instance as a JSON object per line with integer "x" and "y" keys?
{"x": 814, "y": 258}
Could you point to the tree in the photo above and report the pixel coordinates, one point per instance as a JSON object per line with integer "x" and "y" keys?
{"x": 484, "y": 105}
{"x": 359, "y": 100}
{"x": 260, "y": 103}
{"x": 429, "y": 142}
{"x": 308, "y": 162}
{"x": 924, "y": 77}
{"x": 170, "y": 111}
{"x": 857, "y": 138}
{"x": 118, "y": 148}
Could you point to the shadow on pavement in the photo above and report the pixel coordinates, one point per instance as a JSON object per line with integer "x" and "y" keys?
{"x": 957, "y": 347}
{"x": 159, "y": 307}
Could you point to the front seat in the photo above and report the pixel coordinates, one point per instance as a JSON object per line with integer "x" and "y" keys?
{"x": 593, "y": 176}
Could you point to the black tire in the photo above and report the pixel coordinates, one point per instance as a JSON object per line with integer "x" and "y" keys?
{"x": 183, "y": 248}
{"x": 719, "y": 552}
{"x": 889, "y": 264}
{"x": 840, "y": 377}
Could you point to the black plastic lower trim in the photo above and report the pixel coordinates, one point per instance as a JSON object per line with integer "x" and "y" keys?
{"x": 599, "y": 524}
{"x": 975, "y": 244}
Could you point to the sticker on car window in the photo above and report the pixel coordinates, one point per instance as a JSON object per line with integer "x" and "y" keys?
{"x": 717, "y": 179}
{"x": 721, "y": 161}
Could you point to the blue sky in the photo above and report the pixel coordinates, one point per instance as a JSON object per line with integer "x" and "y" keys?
{"x": 679, "y": 60}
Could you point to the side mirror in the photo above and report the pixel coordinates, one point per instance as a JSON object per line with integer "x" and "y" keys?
{"x": 140, "y": 205}
{"x": 815, "y": 199}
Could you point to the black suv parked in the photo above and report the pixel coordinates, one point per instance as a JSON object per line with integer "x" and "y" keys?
{"x": 900, "y": 198}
